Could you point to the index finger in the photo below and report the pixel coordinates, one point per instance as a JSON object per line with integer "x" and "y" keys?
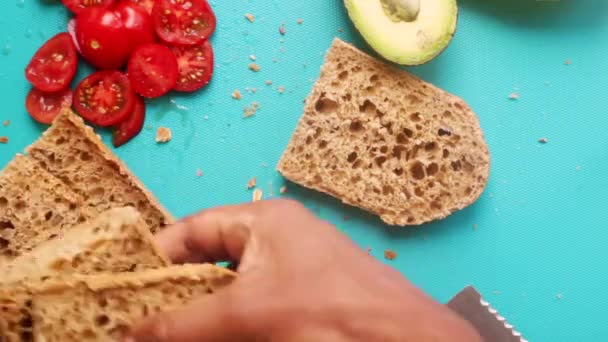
{"x": 213, "y": 235}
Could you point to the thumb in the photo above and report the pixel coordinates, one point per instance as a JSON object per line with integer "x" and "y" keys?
{"x": 211, "y": 318}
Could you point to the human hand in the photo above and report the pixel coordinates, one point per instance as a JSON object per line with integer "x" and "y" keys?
{"x": 299, "y": 280}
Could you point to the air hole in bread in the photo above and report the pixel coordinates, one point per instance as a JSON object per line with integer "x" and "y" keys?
{"x": 4, "y": 244}
{"x": 73, "y": 206}
{"x": 384, "y": 149}
{"x": 398, "y": 171}
{"x": 444, "y": 132}
{"x": 419, "y": 127}
{"x": 387, "y": 190}
{"x": 468, "y": 191}
{"x": 48, "y": 215}
{"x": 411, "y": 219}
{"x": 408, "y": 132}
{"x": 415, "y": 117}
{"x": 432, "y": 146}
{"x": 357, "y": 164}
{"x": 325, "y": 105}
{"x": 419, "y": 192}
{"x": 446, "y": 153}
{"x": 413, "y": 99}
{"x": 432, "y": 169}
{"x": 356, "y": 126}
{"x": 347, "y": 97}
{"x": 308, "y": 140}
{"x": 436, "y": 205}
{"x": 380, "y": 160}
{"x": 368, "y": 107}
{"x": 317, "y": 179}
{"x": 374, "y": 78}
{"x": 343, "y": 75}
{"x": 6, "y": 224}
{"x": 417, "y": 170}
{"x": 102, "y": 320}
{"x": 322, "y": 144}
{"x": 20, "y": 205}
{"x": 431, "y": 184}
{"x": 468, "y": 167}
{"x": 458, "y": 105}
{"x": 60, "y": 141}
{"x": 85, "y": 156}
{"x": 456, "y": 165}
{"x": 401, "y": 138}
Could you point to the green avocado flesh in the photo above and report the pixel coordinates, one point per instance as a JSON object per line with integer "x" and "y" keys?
{"x": 407, "y": 32}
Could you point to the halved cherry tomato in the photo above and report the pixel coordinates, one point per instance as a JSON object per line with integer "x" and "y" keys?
{"x": 105, "y": 98}
{"x": 183, "y": 22}
{"x": 195, "y": 65}
{"x": 137, "y": 22}
{"x": 102, "y": 38}
{"x": 54, "y": 65}
{"x": 145, "y": 4}
{"x": 72, "y": 32}
{"x": 153, "y": 70}
{"x": 77, "y": 6}
{"x": 44, "y": 107}
{"x": 130, "y": 128}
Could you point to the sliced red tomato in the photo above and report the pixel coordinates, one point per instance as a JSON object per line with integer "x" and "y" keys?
{"x": 77, "y": 6}
{"x": 145, "y": 4}
{"x": 153, "y": 70}
{"x": 54, "y": 65}
{"x": 183, "y": 22}
{"x": 138, "y": 24}
{"x": 130, "y": 128}
{"x": 44, "y": 107}
{"x": 105, "y": 98}
{"x": 195, "y": 65}
{"x": 72, "y": 32}
{"x": 102, "y": 38}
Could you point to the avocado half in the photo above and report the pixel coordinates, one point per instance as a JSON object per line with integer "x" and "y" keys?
{"x": 405, "y": 37}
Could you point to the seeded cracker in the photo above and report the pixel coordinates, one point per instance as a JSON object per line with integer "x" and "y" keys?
{"x": 252, "y": 183}
{"x": 236, "y": 94}
{"x": 250, "y": 17}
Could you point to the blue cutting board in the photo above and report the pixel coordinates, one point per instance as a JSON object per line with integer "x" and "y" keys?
{"x": 539, "y": 252}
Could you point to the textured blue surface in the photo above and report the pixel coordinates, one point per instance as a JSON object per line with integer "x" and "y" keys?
{"x": 541, "y": 224}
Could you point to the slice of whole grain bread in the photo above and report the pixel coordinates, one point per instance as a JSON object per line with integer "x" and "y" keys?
{"x": 72, "y": 152}
{"x": 381, "y": 139}
{"x": 104, "y": 308}
{"x": 35, "y": 206}
{"x": 117, "y": 240}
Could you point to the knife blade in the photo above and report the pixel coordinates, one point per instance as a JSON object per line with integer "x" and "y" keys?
{"x": 492, "y": 327}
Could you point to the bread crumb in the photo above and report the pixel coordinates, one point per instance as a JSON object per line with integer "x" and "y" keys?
{"x": 390, "y": 255}
{"x": 514, "y": 96}
{"x": 163, "y": 135}
{"x": 253, "y": 90}
{"x": 568, "y": 62}
{"x": 281, "y": 89}
{"x": 253, "y": 57}
{"x": 257, "y": 195}
{"x": 543, "y": 140}
{"x": 300, "y": 21}
{"x": 199, "y": 173}
{"x": 282, "y": 29}
{"x": 268, "y": 82}
{"x": 254, "y": 67}
{"x": 250, "y": 111}
{"x": 5, "y": 123}
{"x": 283, "y": 190}
{"x": 252, "y": 183}
{"x": 3, "y": 140}
{"x": 250, "y": 17}
{"x": 236, "y": 94}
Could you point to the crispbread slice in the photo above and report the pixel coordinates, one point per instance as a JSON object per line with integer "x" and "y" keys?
{"x": 71, "y": 151}
{"x": 117, "y": 240}
{"x": 104, "y": 308}
{"x": 34, "y": 207}
{"x": 381, "y": 139}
